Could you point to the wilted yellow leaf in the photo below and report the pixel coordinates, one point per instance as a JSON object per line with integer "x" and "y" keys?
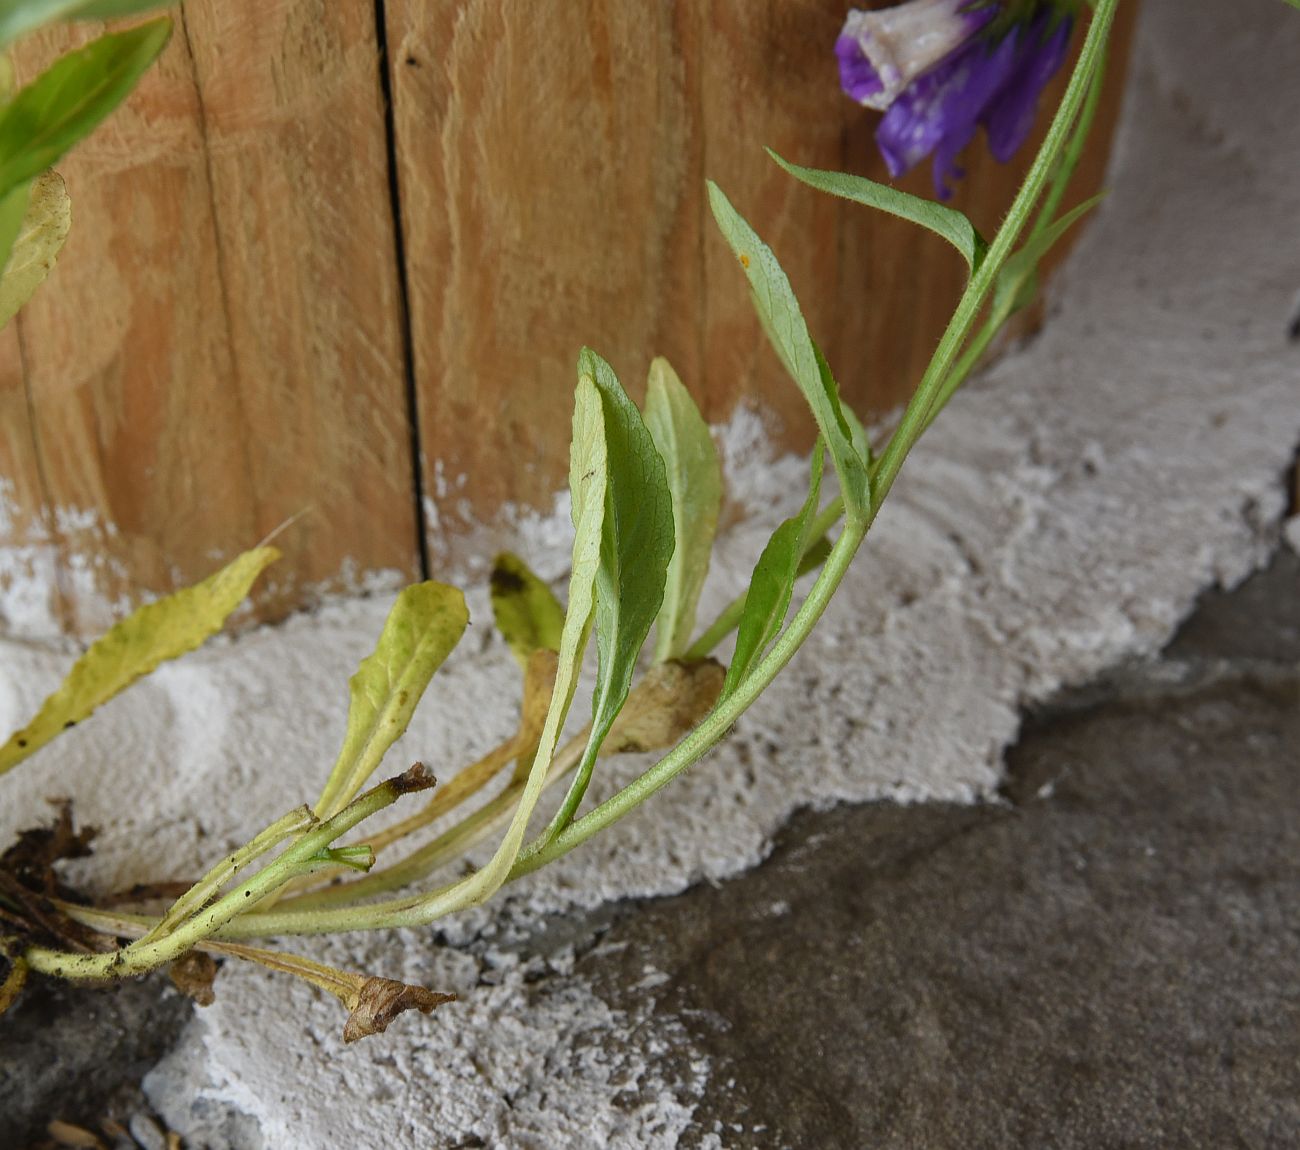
{"x": 157, "y": 632}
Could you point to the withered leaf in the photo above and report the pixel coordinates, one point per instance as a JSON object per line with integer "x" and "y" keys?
{"x": 193, "y": 974}
{"x": 31, "y": 859}
{"x": 671, "y": 699}
{"x": 13, "y": 984}
{"x": 28, "y": 886}
{"x": 380, "y": 1000}
{"x": 78, "y": 1137}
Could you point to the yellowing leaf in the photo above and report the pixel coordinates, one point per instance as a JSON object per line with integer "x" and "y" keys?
{"x": 40, "y": 237}
{"x": 155, "y": 633}
{"x": 695, "y": 484}
{"x": 526, "y": 611}
{"x": 421, "y": 630}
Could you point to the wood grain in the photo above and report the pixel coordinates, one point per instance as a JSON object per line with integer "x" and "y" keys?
{"x": 32, "y": 599}
{"x": 549, "y": 172}
{"x": 219, "y": 347}
{"x": 222, "y": 343}
{"x": 552, "y": 159}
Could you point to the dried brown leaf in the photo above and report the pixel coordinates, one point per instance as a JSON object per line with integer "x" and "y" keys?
{"x": 380, "y": 1000}
{"x": 13, "y": 984}
{"x": 671, "y": 699}
{"x": 416, "y": 777}
{"x": 31, "y": 859}
{"x": 66, "y": 1134}
{"x": 29, "y": 887}
{"x": 193, "y": 974}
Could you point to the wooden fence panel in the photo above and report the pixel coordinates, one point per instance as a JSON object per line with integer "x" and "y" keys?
{"x": 219, "y": 347}
{"x": 552, "y": 160}
{"x": 550, "y": 168}
{"x": 222, "y": 345}
{"x": 31, "y": 600}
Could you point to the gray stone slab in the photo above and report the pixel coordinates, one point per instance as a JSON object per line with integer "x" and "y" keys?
{"x": 78, "y": 1054}
{"x": 1110, "y": 959}
{"x": 1260, "y": 620}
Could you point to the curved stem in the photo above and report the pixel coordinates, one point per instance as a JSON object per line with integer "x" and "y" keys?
{"x": 981, "y": 283}
{"x": 221, "y": 921}
{"x": 146, "y": 954}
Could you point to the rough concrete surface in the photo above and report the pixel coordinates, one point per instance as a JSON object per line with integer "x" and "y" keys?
{"x": 1109, "y": 958}
{"x": 78, "y": 1056}
{"x": 1061, "y": 517}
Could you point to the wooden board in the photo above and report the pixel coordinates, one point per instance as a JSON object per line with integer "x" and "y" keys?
{"x": 222, "y": 345}
{"x": 550, "y": 172}
{"x": 219, "y": 348}
{"x": 552, "y": 159}
{"x": 32, "y": 598}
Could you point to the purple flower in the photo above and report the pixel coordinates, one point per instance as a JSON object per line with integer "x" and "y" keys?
{"x": 939, "y": 69}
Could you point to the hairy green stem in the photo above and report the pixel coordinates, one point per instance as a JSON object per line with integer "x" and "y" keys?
{"x": 1059, "y": 184}
{"x": 908, "y": 431}
{"x": 145, "y": 955}
{"x": 221, "y": 921}
{"x": 916, "y": 417}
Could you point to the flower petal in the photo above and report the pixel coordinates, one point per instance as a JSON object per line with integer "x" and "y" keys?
{"x": 882, "y": 52}
{"x": 1009, "y": 118}
{"x": 939, "y": 112}
{"x": 858, "y": 76}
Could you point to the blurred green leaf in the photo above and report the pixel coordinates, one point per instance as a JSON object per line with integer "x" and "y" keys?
{"x": 527, "y": 613}
{"x": 19, "y": 17}
{"x": 695, "y": 484}
{"x": 944, "y": 221}
{"x": 777, "y": 307}
{"x": 771, "y": 586}
{"x": 69, "y": 100}
{"x": 13, "y": 207}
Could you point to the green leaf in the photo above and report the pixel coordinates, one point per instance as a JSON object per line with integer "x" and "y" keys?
{"x": 772, "y": 584}
{"x": 635, "y": 548}
{"x": 857, "y": 433}
{"x": 779, "y": 310}
{"x": 421, "y": 630}
{"x": 22, "y": 16}
{"x": 68, "y": 101}
{"x": 114, "y": 9}
{"x": 695, "y": 485}
{"x": 37, "y": 245}
{"x": 153, "y": 634}
{"x": 1015, "y": 281}
{"x": 817, "y": 553}
{"x": 947, "y": 222}
{"x": 636, "y": 544}
{"x": 588, "y": 486}
{"x": 526, "y": 611}
{"x": 8, "y": 82}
